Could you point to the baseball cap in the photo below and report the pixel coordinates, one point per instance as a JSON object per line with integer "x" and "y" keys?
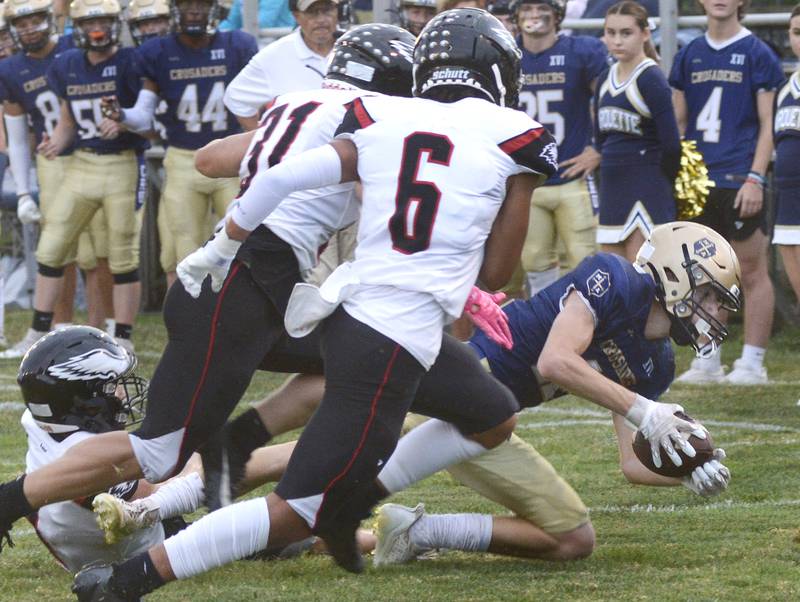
{"x": 303, "y": 5}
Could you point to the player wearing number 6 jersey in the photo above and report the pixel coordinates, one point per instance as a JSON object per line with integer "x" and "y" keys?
{"x": 724, "y": 86}
{"x": 559, "y": 75}
{"x": 189, "y": 69}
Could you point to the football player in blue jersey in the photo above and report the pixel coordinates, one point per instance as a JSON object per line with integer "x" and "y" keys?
{"x": 637, "y": 135}
{"x": 148, "y": 19}
{"x": 724, "y": 88}
{"x": 787, "y": 158}
{"x": 189, "y": 69}
{"x": 30, "y": 100}
{"x": 559, "y": 78}
{"x": 106, "y": 170}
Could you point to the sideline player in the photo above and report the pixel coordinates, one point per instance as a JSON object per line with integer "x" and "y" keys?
{"x": 189, "y": 69}
{"x": 105, "y": 170}
{"x": 559, "y": 79}
{"x": 31, "y": 105}
{"x": 636, "y": 134}
{"x": 415, "y": 14}
{"x": 724, "y": 87}
{"x": 787, "y": 158}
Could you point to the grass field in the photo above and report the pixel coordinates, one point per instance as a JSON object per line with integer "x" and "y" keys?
{"x": 652, "y": 544}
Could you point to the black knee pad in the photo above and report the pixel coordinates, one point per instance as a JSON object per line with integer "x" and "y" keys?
{"x": 46, "y": 270}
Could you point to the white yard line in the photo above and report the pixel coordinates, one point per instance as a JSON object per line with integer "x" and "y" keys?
{"x": 674, "y": 508}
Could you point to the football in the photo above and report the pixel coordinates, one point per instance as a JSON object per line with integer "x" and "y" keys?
{"x": 704, "y": 448}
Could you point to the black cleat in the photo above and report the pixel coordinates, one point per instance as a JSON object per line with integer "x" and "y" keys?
{"x": 5, "y": 534}
{"x": 342, "y": 545}
{"x": 223, "y": 467}
{"x": 93, "y": 584}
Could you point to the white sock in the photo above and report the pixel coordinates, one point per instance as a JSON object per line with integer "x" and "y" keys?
{"x": 467, "y": 532}
{"x": 231, "y": 533}
{"x": 427, "y": 449}
{"x": 179, "y": 496}
{"x": 536, "y": 281}
{"x": 711, "y": 363}
{"x": 753, "y": 356}
{"x": 111, "y": 326}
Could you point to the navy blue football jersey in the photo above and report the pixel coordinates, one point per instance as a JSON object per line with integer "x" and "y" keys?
{"x": 193, "y": 81}
{"x": 25, "y": 81}
{"x": 619, "y": 297}
{"x": 557, "y": 92}
{"x": 787, "y": 132}
{"x": 82, "y": 85}
{"x": 721, "y": 83}
{"x": 635, "y": 120}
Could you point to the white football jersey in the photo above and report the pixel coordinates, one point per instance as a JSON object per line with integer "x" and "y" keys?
{"x": 297, "y": 122}
{"x": 68, "y": 529}
{"x": 434, "y": 178}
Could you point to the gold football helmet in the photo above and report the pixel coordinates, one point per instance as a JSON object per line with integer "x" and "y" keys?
{"x": 688, "y": 261}
{"x": 148, "y": 19}
{"x": 96, "y": 38}
{"x": 29, "y": 37}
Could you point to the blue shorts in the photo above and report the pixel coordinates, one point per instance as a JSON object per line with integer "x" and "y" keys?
{"x": 787, "y": 216}
{"x": 633, "y": 197}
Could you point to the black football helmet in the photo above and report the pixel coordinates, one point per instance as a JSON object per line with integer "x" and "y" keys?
{"x": 376, "y": 57}
{"x": 72, "y": 379}
{"x": 468, "y": 47}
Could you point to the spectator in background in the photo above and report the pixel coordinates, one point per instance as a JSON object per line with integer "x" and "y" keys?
{"x": 724, "y": 87}
{"x": 271, "y": 13}
{"x": 293, "y": 63}
{"x": 415, "y": 14}
{"x": 450, "y": 4}
{"x": 559, "y": 76}
{"x": 637, "y": 136}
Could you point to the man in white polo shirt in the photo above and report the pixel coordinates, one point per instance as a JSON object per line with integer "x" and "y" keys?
{"x": 294, "y": 63}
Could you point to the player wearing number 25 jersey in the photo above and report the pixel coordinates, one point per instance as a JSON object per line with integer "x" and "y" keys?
{"x": 189, "y": 70}
{"x": 559, "y": 75}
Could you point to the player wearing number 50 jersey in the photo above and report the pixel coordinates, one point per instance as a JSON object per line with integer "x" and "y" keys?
{"x": 725, "y": 84}
{"x": 559, "y": 75}
{"x": 189, "y": 69}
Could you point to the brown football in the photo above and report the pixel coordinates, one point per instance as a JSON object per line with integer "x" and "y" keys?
{"x": 703, "y": 447}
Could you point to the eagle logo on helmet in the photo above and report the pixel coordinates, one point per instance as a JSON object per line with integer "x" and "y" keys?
{"x": 97, "y": 364}
{"x": 705, "y": 248}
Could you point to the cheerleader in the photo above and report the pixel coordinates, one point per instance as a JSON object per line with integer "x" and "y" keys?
{"x": 786, "y": 132}
{"x": 636, "y": 134}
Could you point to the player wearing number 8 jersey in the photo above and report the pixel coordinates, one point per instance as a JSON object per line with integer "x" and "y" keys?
{"x": 559, "y": 75}
{"x": 189, "y": 69}
{"x": 724, "y": 86}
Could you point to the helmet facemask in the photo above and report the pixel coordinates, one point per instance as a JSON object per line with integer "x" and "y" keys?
{"x": 208, "y": 26}
{"x": 45, "y": 29}
{"x": 97, "y": 38}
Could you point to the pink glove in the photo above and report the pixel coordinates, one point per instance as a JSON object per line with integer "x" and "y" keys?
{"x": 484, "y": 311}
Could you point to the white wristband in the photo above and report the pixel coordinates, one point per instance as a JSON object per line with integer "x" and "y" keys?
{"x": 638, "y": 411}
{"x": 139, "y": 117}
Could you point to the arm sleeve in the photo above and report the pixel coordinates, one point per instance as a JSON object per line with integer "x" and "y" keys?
{"x": 19, "y": 152}
{"x": 250, "y": 89}
{"x": 311, "y": 169}
{"x": 139, "y": 117}
{"x": 658, "y": 97}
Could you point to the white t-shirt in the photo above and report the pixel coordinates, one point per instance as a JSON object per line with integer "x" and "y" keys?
{"x": 68, "y": 529}
{"x": 286, "y": 65}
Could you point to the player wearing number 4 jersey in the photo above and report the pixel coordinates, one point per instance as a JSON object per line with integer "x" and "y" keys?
{"x": 725, "y": 85}
{"x": 189, "y": 69}
{"x": 559, "y": 77}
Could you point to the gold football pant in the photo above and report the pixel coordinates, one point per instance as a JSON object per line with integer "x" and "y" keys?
{"x": 93, "y": 182}
{"x": 185, "y": 203}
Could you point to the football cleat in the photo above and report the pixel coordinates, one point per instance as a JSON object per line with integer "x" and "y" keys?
{"x": 5, "y": 536}
{"x": 392, "y": 529}
{"x": 340, "y": 539}
{"x": 21, "y": 348}
{"x": 746, "y": 374}
{"x": 699, "y": 374}
{"x": 118, "y": 518}
{"x": 93, "y": 584}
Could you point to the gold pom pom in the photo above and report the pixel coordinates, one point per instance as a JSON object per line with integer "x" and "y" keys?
{"x": 692, "y": 183}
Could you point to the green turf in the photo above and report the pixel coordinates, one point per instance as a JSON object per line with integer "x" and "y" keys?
{"x": 652, "y": 544}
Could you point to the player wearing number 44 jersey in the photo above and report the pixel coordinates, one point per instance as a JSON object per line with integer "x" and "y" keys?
{"x": 559, "y": 75}
{"x": 189, "y": 69}
{"x": 725, "y": 84}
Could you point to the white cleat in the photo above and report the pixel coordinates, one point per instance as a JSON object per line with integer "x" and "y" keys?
{"x": 745, "y": 374}
{"x": 21, "y": 348}
{"x": 118, "y": 518}
{"x": 699, "y": 374}
{"x": 392, "y": 529}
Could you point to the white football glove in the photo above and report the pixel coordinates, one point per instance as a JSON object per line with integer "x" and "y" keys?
{"x": 711, "y": 478}
{"x": 213, "y": 259}
{"x": 659, "y": 425}
{"x": 27, "y": 209}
